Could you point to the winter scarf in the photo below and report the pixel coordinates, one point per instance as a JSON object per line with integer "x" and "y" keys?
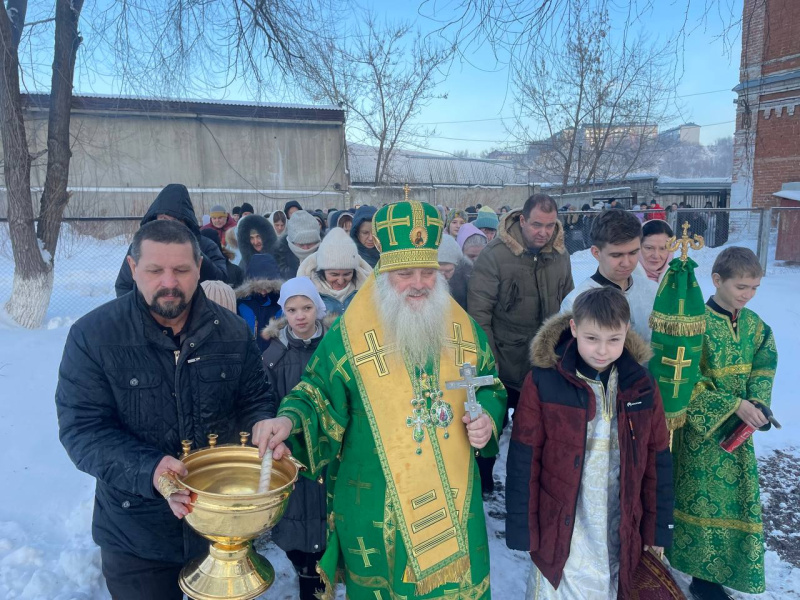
{"x": 299, "y": 252}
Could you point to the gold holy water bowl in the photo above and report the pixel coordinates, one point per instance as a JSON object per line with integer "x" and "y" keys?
{"x": 229, "y": 512}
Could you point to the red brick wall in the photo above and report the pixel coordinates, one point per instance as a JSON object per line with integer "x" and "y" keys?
{"x": 770, "y": 44}
{"x": 777, "y": 155}
{"x": 753, "y": 17}
{"x": 782, "y": 39}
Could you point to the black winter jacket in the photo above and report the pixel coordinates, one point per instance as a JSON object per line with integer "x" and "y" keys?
{"x": 458, "y": 282}
{"x": 174, "y": 201}
{"x": 303, "y": 525}
{"x": 287, "y": 261}
{"x": 126, "y": 397}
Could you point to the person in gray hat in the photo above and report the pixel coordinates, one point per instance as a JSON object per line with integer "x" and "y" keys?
{"x": 455, "y": 268}
{"x": 301, "y": 241}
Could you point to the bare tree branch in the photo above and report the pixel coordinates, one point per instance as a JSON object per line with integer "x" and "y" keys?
{"x": 383, "y": 75}
{"x": 597, "y": 101}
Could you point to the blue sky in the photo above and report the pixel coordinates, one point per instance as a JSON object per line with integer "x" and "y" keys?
{"x": 706, "y": 66}
{"x": 479, "y": 96}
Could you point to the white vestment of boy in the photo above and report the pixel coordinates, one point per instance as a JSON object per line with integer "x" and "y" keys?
{"x": 592, "y": 569}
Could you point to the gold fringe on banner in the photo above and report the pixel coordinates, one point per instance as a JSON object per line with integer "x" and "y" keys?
{"x": 676, "y": 422}
{"x": 677, "y": 325}
{"x": 452, "y": 573}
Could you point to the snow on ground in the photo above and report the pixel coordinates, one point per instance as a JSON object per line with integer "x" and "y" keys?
{"x": 46, "y": 550}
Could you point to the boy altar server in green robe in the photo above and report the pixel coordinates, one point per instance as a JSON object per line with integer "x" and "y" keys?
{"x": 405, "y": 515}
{"x": 719, "y": 536}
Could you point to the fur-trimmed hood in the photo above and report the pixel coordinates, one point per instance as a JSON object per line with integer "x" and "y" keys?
{"x": 264, "y": 229}
{"x": 273, "y": 330}
{"x": 555, "y": 331}
{"x": 258, "y": 286}
{"x": 509, "y": 232}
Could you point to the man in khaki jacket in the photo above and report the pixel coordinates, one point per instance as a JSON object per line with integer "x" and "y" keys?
{"x": 518, "y": 281}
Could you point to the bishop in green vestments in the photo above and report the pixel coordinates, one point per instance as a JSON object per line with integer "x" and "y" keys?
{"x": 405, "y": 514}
{"x": 719, "y": 536}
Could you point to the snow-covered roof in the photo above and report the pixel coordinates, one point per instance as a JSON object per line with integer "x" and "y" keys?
{"x": 226, "y": 108}
{"x": 789, "y": 191}
{"x": 666, "y": 185}
{"x": 429, "y": 169}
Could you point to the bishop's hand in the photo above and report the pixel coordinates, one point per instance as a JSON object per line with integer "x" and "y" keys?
{"x": 479, "y": 431}
{"x": 270, "y": 433}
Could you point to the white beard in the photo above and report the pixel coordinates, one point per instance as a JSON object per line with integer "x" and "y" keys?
{"x": 418, "y": 333}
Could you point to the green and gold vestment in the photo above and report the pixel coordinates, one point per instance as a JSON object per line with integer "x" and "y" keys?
{"x": 719, "y": 535}
{"x": 389, "y": 491}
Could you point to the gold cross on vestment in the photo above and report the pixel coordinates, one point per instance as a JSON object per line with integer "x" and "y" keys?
{"x": 376, "y": 354}
{"x": 679, "y": 364}
{"x": 312, "y": 367}
{"x": 359, "y": 485}
{"x": 363, "y": 552}
{"x": 390, "y": 223}
{"x": 338, "y": 367}
{"x": 460, "y": 346}
{"x": 487, "y": 361}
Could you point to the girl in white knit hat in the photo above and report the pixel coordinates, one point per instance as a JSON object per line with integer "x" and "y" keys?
{"x": 336, "y": 269}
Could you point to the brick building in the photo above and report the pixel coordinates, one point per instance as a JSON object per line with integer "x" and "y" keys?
{"x": 767, "y": 138}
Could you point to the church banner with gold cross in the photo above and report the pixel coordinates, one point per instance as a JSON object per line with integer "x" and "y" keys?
{"x": 678, "y": 323}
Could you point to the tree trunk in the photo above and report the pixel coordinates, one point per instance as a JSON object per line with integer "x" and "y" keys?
{"x": 55, "y": 197}
{"x": 31, "y": 272}
{"x": 34, "y": 254}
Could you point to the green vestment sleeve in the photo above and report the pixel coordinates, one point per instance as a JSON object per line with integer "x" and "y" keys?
{"x": 318, "y": 406}
{"x": 491, "y": 398}
{"x": 759, "y": 384}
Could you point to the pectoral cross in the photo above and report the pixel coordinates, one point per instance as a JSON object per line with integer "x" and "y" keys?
{"x": 418, "y": 420}
{"x": 470, "y": 382}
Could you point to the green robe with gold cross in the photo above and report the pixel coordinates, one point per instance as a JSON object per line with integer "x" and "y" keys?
{"x": 719, "y": 535}
{"x": 400, "y": 475}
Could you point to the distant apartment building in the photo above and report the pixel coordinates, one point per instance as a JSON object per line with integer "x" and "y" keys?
{"x": 688, "y": 133}
{"x": 592, "y": 134}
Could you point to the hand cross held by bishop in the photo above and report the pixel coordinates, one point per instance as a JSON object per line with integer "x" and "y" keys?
{"x": 470, "y": 382}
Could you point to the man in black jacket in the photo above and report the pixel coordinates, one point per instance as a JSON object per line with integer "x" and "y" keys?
{"x": 138, "y": 375}
{"x": 173, "y": 203}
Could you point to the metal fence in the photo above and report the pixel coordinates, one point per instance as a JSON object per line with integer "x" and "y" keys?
{"x": 91, "y": 250}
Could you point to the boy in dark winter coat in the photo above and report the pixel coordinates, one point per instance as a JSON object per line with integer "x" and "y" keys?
{"x": 293, "y": 339}
{"x": 589, "y": 469}
{"x": 256, "y": 236}
{"x": 257, "y": 297}
{"x": 173, "y": 203}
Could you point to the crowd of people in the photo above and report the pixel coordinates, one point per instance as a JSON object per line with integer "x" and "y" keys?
{"x": 331, "y": 336}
